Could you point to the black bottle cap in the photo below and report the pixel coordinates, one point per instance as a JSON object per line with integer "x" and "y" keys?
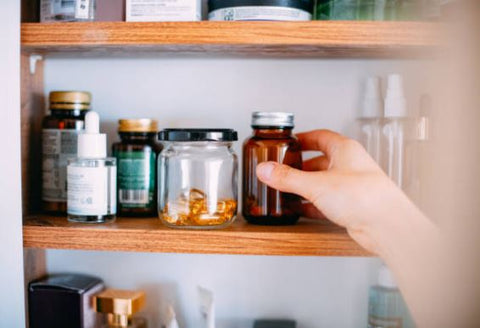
{"x": 198, "y": 135}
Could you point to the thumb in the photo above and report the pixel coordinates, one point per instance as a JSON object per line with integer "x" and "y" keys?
{"x": 287, "y": 179}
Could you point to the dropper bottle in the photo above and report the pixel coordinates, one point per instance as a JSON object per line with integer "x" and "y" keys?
{"x": 386, "y": 306}
{"x": 370, "y": 121}
{"x": 91, "y": 177}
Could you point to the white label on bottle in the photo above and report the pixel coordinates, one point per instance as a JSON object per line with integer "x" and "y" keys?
{"x": 82, "y": 9}
{"x": 259, "y": 13}
{"x": 57, "y": 147}
{"x": 163, "y": 10}
{"x": 91, "y": 190}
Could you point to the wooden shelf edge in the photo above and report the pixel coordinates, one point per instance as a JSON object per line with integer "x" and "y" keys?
{"x": 286, "y": 39}
{"x": 149, "y": 235}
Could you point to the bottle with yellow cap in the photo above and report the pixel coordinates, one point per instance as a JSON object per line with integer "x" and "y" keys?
{"x": 60, "y": 131}
{"x": 136, "y": 155}
{"x": 120, "y": 306}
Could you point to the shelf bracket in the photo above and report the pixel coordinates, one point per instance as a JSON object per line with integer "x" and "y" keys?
{"x": 33, "y": 63}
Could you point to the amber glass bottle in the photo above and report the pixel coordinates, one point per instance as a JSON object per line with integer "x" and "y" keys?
{"x": 136, "y": 167}
{"x": 272, "y": 140}
{"x": 60, "y": 130}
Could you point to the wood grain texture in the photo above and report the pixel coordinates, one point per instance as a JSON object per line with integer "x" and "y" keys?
{"x": 32, "y": 112}
{"x": 352, "y": 39}
{"x": 309, "y": 238}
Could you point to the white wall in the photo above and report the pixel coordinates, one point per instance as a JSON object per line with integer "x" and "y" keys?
{"x": 318, "y": 292}
{"x": 11, "y": 248}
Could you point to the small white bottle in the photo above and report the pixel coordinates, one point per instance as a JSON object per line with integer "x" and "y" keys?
{"x": 395, "y": 132}
{"x": 370, "y": 122}
{"x": 91, "y": 177}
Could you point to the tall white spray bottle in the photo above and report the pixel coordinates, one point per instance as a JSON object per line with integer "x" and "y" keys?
{"x": 370, "y": 121}
{"x": 395, "y": 131}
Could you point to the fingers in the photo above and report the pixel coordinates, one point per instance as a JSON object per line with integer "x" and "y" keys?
{"x": 322, "y": 140}
{"x": 310, "y": 211}
{"x": 287, "y": 179}
{"x": 319, "y": 163}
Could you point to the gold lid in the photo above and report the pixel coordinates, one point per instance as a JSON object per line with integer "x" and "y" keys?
{"x": 119, "y": 302}
{"x": 69, "y": 100}
{"x": 137, "y": 125}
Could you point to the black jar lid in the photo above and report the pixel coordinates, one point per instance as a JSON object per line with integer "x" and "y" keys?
{"x": 198, "y": 135}
{"x": 306, "y": 5}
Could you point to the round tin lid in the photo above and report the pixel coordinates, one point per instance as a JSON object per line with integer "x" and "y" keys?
{"x": 70, "y": 100}
{"x": 137, "y": 125}
{"x": 272, "y": 119}
{"x": 198, "y": 135}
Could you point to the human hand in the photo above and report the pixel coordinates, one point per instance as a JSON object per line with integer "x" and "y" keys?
{"x": 345, "y": 185}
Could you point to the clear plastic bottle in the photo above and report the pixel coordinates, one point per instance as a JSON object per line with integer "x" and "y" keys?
{"x": 386, "y": 307}
{"x": 396, "y": 132}
{"x": 370, "y": 122}
{"x": 91, "y": 177}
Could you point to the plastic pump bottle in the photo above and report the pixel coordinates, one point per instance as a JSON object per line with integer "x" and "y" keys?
{"x": 91, "y": 177}
{"x": 395, "y": 131}
{"x": 386, "y": 307}
{"x": 370, "y": 122}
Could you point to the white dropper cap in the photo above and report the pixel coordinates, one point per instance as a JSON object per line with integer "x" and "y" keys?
{"x": 395, "y": 102}
{"x": 372, "y": 105}
{"x": 385, "y": 278}
{"x": 92, "y": 143}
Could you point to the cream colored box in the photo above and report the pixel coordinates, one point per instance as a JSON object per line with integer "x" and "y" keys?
{"x": 163, "y": 10}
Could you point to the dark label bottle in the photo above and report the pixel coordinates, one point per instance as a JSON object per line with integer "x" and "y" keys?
{"x": 136, "y": 160}
{"x": 59, "y": 144}
{"x": 272, "y": 140}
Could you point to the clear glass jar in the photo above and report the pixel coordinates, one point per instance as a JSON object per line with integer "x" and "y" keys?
{"x": 197, "y": 178}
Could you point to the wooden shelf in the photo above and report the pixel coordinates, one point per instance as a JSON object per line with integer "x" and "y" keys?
{"x": 316, "y": 39}
{"x": 308, "y": 238}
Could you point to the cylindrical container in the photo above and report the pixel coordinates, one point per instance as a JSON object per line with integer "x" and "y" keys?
{"x": 369, "y": 125}
{"x": 59, "y": 143}
{"x": 67, "y": 11}
{"x": 92, "y": 177}
{"x": 259, "y": 10}
{"x": 272, "y": 140}
{"x": 136, "y": 156}
{"x": 386, "y": 307}
{"x": 197, "y": 178}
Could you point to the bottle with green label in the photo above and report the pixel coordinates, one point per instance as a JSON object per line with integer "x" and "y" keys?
{"x": 136, "y": 156}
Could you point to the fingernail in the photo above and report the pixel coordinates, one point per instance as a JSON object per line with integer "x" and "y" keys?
{"x": 264, "y": 170}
